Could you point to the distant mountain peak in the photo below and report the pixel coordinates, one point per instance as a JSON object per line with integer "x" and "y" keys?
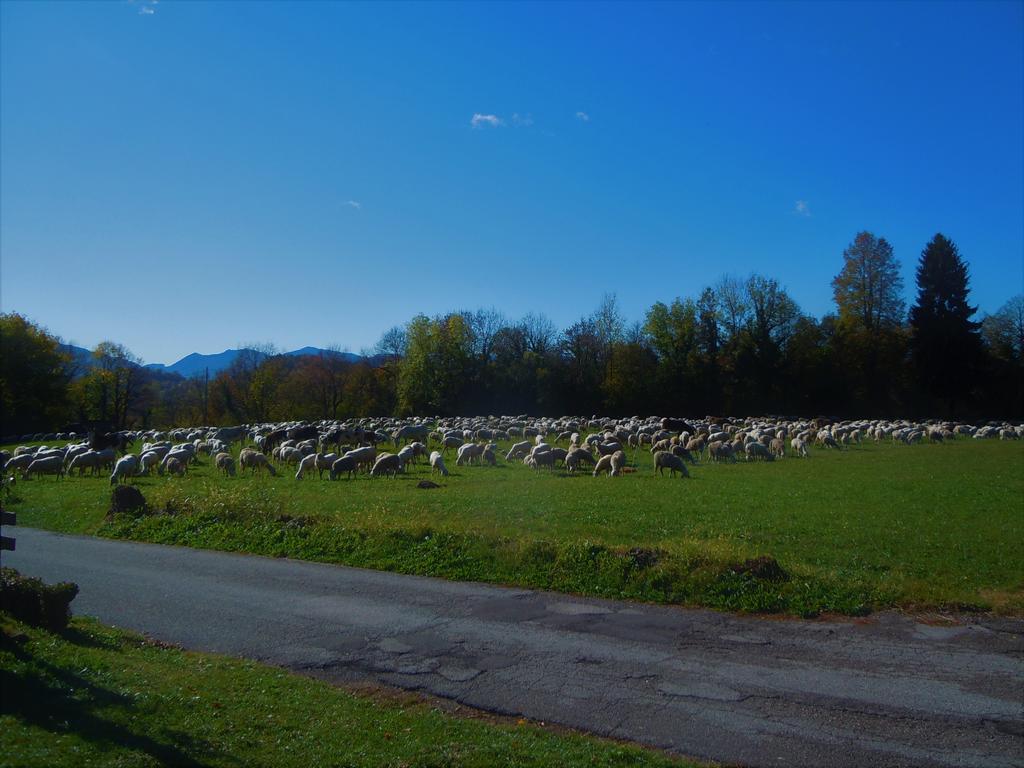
{"x": 196, "y": 363}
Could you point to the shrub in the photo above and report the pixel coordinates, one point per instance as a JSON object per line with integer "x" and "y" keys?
{"x": 30, "y": 600}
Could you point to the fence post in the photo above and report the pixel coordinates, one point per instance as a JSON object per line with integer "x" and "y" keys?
{"x": 7, "y": 518}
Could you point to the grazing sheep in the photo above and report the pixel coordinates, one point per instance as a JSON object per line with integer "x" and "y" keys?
{"x": 347, "y": 464}
{"x": 468, "y": 452}
{"x": 89, "y": 460}
{"x": 20, "y": 461}
{"x": 518, "y": 451}
{"x": 618, "y": 462}
{"x": 756, "y": 450}
{"x": 575, "y": 456}
{"x": 290, "y": 455}
{"x": 695, "y": 445}
{"x": 387, "y": 464}
{"x": 778, "y": 448}
{"x": 127, "y": 466}
{"x": 174, "y": 466}
{"x": 230, "y": 434}
{"x": 413, "y": 431}
{"x": 181, "y": 456}
{"x": 437, "y": 464}
{"x": 799, "y": 445}
{"x": 488, "y": 457}
{"x": 307, "y": 463}
{"x": 558, "y": 455}
{"x": 255, "y": 461}
{"x": 147, "y": 461}
{"x": 451, "y": 441}
{"x": 607, "y": 449}
{"x": 604, "y": 464}
{"x": 683, "y": 454}
{"x": 47, "y": 465}
{"x": 364, "y": 456}
{"x": 664, "y": 460}
{"x": 225, "y": 464}
{"x": 324, "y": 462}
{"x": 719, "y": 451}
{"x": 540, "y": 459}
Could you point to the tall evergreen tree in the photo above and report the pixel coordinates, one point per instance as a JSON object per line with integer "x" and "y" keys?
{"x": 945, "y": 342}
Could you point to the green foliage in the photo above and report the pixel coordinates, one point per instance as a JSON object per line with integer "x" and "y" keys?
{"x": 436, "y": 372}
{"x": 34, "y": 377}
{"x": 113, "y": 387}
{"x": 33, "y": 602}
{"x": 95, "y": 695}
{"x": 868, "y": 290}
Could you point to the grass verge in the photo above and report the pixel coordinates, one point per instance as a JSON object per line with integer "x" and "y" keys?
{"x": 95, "y": 695}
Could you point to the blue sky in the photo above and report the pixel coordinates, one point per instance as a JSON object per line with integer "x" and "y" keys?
{"x": 188, "y": 176}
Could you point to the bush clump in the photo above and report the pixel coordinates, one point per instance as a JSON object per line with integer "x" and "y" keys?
{"x": 34, "y": 602}
{"x": 127, "y": 500}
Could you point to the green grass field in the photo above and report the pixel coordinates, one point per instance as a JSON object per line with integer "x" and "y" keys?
{"x": 916, "y": 527}
{"x": 98, "y": 696}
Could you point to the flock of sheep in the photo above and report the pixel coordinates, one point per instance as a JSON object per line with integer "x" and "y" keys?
{"x": 355, "y": 446}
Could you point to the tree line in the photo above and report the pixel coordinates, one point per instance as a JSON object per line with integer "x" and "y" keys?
{"x": 741, "y": 346}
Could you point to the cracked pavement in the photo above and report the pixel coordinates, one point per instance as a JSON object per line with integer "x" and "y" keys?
{"x": 880, "y": 691}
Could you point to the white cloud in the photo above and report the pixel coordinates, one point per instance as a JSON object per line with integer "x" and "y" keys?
{"x": 583, "y": 116}
{"x": 479, "y": 121}
{"x": 801, "y": 208}
{"x": 354, "y": 204}
{"x": 146, "y": 7}
{"x": 521, "y": 121}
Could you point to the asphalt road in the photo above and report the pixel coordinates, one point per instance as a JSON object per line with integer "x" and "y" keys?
{"x": 883, "y": 691}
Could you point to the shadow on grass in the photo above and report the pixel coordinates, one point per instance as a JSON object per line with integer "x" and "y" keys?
{"x": 51, "y": 698}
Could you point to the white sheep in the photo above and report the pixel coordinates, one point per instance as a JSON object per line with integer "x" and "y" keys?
{"x": 83, "y": 461}
{"x": 437, "y": 464}
{"x": 46, "y": 465}
{"x": 147, "y": 461}
{"x": 308, "y": 462}
{"x": 256, "y": 461}
{"x": 604, "y": 464}
{"x": 225, "y": 463}
{"x": 387, "y": 464}
{"x": 664, "y": 460}
{"x": 756, "y": 450}
{"x": 618, "y": 462}
{"x": 799, "y": 445}
{"x": 127, "y": 466}
{"x": 518, "y": 450}
{"x": 364, "y": 456}
{"x": 468, "y": 452}
{"x": 174, "y": 466}
{"x": 575, "y": 456}
{"x": 346, "y": 463}
{"x": 324, "y": 462}
{"x": 181, "y": 456}
{"x": 20, "y": 461}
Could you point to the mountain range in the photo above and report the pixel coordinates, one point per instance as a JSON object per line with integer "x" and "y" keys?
{"x": 195, "y": 363}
